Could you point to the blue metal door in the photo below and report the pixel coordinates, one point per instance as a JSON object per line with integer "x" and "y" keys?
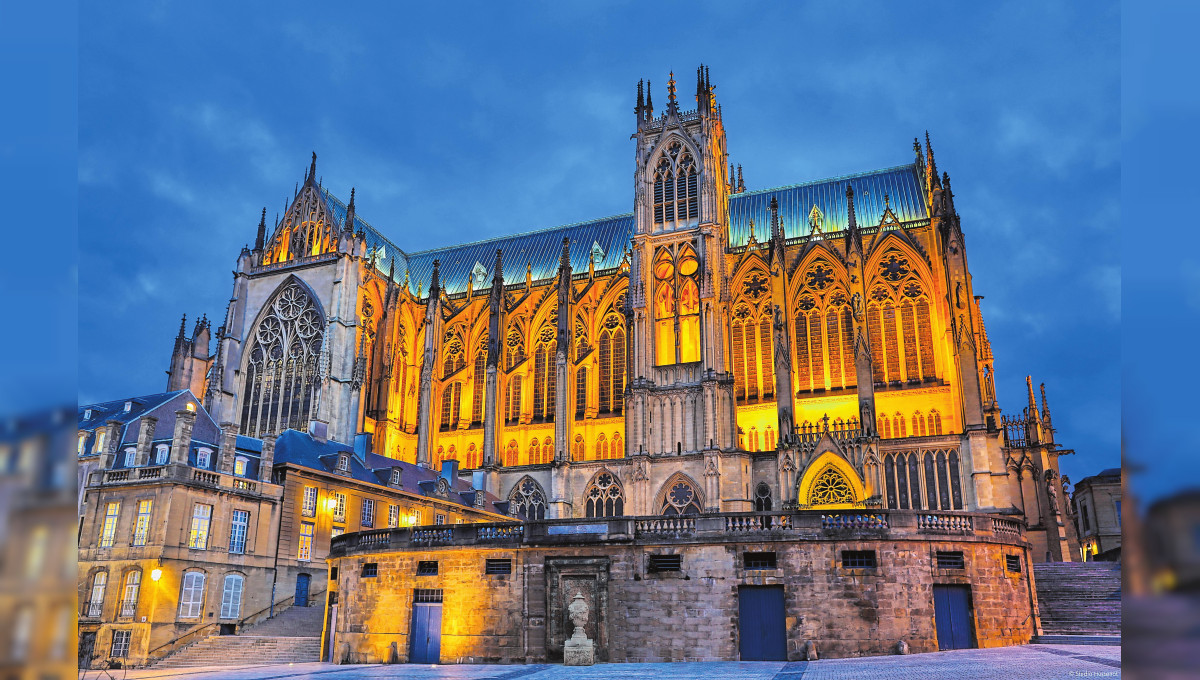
{"x": 761, "y": 630}
{"x": 302, "y": 581}
{"x": 952, "y": 613}
{"x": 426, "y": 637}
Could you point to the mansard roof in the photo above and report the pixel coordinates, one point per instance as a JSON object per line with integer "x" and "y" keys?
{"x": 540, "y": 250}
{"x": 161, "y": 406}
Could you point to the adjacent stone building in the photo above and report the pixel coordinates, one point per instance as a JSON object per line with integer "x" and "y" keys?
{"x": 1097, "y": 501}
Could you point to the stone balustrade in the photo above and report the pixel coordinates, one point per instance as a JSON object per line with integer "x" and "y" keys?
{"x": 178, "y": 474}
{"x": 798, "y": 525}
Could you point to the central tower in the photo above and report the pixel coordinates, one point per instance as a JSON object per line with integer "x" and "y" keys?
{"x": 680, "y": 395}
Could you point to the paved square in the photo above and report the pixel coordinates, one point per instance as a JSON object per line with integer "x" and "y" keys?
{"x": 1008, "y": 663}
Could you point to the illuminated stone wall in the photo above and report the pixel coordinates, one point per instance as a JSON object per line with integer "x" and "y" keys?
{"x": 690, "y": 614}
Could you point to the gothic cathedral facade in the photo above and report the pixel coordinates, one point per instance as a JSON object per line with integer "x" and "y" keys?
{"x": 818, "y": 345}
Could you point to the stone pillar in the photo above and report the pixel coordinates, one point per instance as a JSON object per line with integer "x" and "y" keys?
{"x": 494, "y": 361}
{"x": 227, "y": 450}
{"x": 182, "y": 440}
{"x": 267, "y": 460}
{"x": 146, "y": 427}
{"x": 433, "y": 332}
{"x": 564, "y": 415}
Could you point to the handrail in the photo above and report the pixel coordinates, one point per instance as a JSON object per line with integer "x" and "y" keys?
{"x": 284, "y": 603}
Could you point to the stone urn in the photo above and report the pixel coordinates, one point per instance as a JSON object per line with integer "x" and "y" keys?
{"x": 578, "y": 649}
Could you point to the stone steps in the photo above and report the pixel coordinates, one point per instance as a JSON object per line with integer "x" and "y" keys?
{"x": 1079, "y": 598}
{"x": 1108, "y": 640}
{"x": 292, "y": 636}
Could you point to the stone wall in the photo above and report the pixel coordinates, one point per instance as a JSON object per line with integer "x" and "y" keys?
{"x": 639, "y": 614}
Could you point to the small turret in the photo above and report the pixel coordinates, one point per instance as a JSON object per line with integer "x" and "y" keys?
{"x": 348, "y": 227}
{"x": 1045, "y": 406}
{"x": 741, "y": 185}
{"x": 261, "y": 238}
{"x": 649, "y": 110}
{"x": 672, "y": 103}
{"x": 640, "y": 109}
{"x": 1033, "y": 409}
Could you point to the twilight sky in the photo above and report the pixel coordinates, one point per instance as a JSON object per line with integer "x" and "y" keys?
{"x": 481, "y": 121}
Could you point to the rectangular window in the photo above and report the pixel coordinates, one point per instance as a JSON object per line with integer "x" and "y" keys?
{"x": 238, "y": 525}
{"x": 659, "y": 563}
{"x": 368, "y": 513}
{"x": 427, "y": 568}
{"x": 1012, "y": 563}
{"x": 370, "y": 569}
{"x": 858, "y": 559}
{"x": 96, "y": 600}
{"x": 129, "y": 598}
{"x": 1118, "y": 505}
{"x": 141, "y": 527}
{"x": 427, "y": 595}
{"x": 497, "y": 567}
{"x": 191, "y": 597}
{"x": 759, "y": 560}
{"x": 440, "y": 519}
{"x": 339, "y": 507}
{"x": 950, "y": 559}
{"x": 231, "y": 597}
{"x": 336, "y": 531}
{"x": 108, "y": 530}
{"x": 393, "y": 516}
{"x": 304, "y": 553}
{"x": 309, "y": 507}
{"x": 201, "y": 516}
{"x": 333, "y": 572}
{"x": 120, "y": 643}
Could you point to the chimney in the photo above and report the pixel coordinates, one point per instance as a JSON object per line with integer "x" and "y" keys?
{"x": 478, "y": 479}
{"x": 181, "y": 442}
{"x": 267, "y": 461}
{"x": 146, "y": 427}
{"x": 450, "y": 471}
{"x": 227, "y": 451}
{"x": 112, "y": 430}
{"x": 319, "y": 430}
{"x": 362, "y": 446}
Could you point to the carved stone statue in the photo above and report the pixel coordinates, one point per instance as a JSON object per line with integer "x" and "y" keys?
{"x": 578, "y": 649}
{"x": 856, "y": 306}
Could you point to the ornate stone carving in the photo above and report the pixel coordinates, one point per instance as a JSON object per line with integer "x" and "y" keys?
{"x": 578, "y": 649}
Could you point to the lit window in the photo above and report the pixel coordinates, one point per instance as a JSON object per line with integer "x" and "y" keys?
{"x": 161, "y": 454}
{"x": 339, "y": 508}
{"x": 304, "y": 553}
{"x": 120, "y": 644}
{"x": 191, "y": 596}
{"x": 368, "y": 513}
{"x": 231, "y": 596}
{"x": 203, "y": 458}
{"x": 81, "y": 445}
{"x": 238, "y": 525}
{"x": 129, "y": 598}
{"x": 336, "y": 531}
{"x": 676, "y": 192}
{"x": 393, "y": 516}
{"x": 198, "y": 537}
{"x": 239, "y": 466}
{"x": 676, "y": 307}
{"x": 309, "y": 505}
{"x": 287, "y": 341}
{"x": 440, "y": 519}
{"x": 96, "y": 598}
{"x": 130, "y": 457}
{"x": 343, "y": 462}
{"x": 108, "y": 530}
{"x": 98, "y": 447}
{"x": 141, "y": 526}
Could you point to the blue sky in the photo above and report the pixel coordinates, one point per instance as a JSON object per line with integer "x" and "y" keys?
{"x": 482, "y": 120}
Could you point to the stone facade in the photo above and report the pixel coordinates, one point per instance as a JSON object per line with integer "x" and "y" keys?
{"x": 1096, "y": 504}
{"x": 638, "y": 613}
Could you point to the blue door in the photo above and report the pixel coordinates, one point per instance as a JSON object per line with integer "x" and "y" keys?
{"x": 952, "y": 613}
{"x": 301, "y": 590}
{"x": 426, "y": 638}
{"x": 761, "y": 630}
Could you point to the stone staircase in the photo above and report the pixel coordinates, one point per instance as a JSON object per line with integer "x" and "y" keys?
{"x": 293, "y": 636}
{"x": 1080, "y": 602}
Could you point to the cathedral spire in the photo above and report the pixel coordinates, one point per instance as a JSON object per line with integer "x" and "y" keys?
{"x": 311, "y": 177}
{"x": 741, "y": 186}
{"x": 672, "y": 103}
{"x": 1033, "y": 409}
{"x": 349, "y": 225}
{"x": 259, "y": 241}
{"x": 641, "y": 105}
{"x": 182, "y": 328}
{"x": 649, "y": 101}
{"x": 934, "y": 180}
{"x": 1045, "y": 405}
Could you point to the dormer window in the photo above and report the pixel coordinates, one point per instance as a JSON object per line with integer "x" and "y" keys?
{"x": 239, "y": 466}
{"x": 343, "y": 464}
{"x": 203, "y": 458}
{"x": 395, "y": 480}
{"x": 98, "y": 447}
{"x": 128, "y": 406}
{"x": 161, "y": 453}
{"x": 130, "y": 457}
{"x": 87, "y": 414}
{"x": 82, "y": 444}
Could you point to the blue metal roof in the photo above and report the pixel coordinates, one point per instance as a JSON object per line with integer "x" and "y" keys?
{"x": 608, "y": 237}
{"x": 903, "y": 186}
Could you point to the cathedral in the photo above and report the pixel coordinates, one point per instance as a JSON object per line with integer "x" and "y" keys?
{"x": 716, "y": 349}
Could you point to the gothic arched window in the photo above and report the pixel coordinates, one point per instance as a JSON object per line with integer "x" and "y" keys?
{"x": 453, "y": 354}
{"x": 830, "y": 488}
{"x": 616, "y": 449}
{"x": 477, "y": 382}
{"x": 544, "y": 375}
{"x": 762, "y": 497}
{"x": 472, "y": 459}
{"x": 451, "y": 405}
{"x": 578, "y": 448}
{"x": 547, "y": 450}
{"x": 282, "y": 376}
{"x": 676, "y": 191}
{"x": 512, "y": 400}
{"x": 580, "y": 393}
{"x": 612, "y": 364}
{"x": 534, "y": 448}
{"x": 676, "y": 307}
{"x": 512, "y": 453}
{"x": 527, "y": 501}
{"x": 824, "y": 331}
{"x": 601, "y": 447}
{"x": 604, "y": 497}
{"x": 680, "y": 499}
{"x": 898, "y": 321}
{"x": 514, "y": 345}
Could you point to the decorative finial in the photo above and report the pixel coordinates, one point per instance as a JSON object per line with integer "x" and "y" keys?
{"x": 741, "y": 184}
{"x": 641, "y": 101}
{"x": 774, "y": 208}
{"x": 349, "y": 226}
{"x": 183, "y": 326}
{"x": 752, "y": 239}
{"x": 1032, "y": 402}
{"x": 260, "y": 240}
{"x": 732, "y": 180}
{"x": 564, "y": 260}
{"x": 672, "y": 104}
{"x": 498, "y": 275}
{"x": 887, "y": 201}
{"x": 649, "y": 101}
{"x": 434, "y": 284}
{"x": 312, "y": 169}
{"x": 851, "y": 218}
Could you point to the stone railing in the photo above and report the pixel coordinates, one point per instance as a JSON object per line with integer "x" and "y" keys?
{"x": 175, "y": 474}
{"x": 798, "y": 525}
{"x": 945, "y": 524}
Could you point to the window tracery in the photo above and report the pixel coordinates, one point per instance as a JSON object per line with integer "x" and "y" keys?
{"x": 762, "y": 497}
{"x": 676, "y": 191}
{"x": 604, "y": 498}
{"x": 751, "y": 333}
{"x": 927, "y": 480}
{"x": 612, "y": 364}
{"x": 451, "y": 405}
{"x": 680, "y": 499}
{"x": 477, "y": 384}
{"x": 676, "y": 307}
{"x": 544, "y": 374}
{"x": 282, "y": 378}
{"x": 527, "y": 501}
{"x": 830, "y": 488}
{"x": 898, "y": 321}
{"x": 824, "y": 331}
